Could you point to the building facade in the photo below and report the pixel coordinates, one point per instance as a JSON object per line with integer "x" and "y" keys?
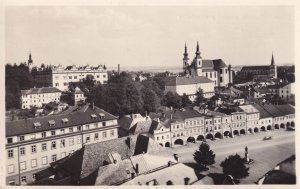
{"x": 215, "y": 70}
{"x": 36, "y": 97}
{"x": 31, "y": 144}
{"x": 60, "y": 77}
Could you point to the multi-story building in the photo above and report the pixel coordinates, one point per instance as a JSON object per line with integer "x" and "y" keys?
{"x": 284, "y": 91}
{"x": 215, "y": 70}
{"x": 238, "y": 123}
{"x": 78, "y": 96}
{"x": 190, "y": 85}
{"x": 31, "y": 144}
{"x": 252, "y": 116}
{"x": 60, "y": 77}
{"x": 39, "y": 96}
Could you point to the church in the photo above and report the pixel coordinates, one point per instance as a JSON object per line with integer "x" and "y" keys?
{"x": 215, "y": 70}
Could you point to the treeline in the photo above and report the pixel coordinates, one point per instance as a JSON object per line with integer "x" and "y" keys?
{"x": 17, "y": 78}
{"x": 122, "y": 95}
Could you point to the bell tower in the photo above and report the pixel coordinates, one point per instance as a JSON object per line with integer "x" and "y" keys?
{"x": 30, "y": 62}
{"x": 185, "y": 60}
{"x": 198, "y": 61}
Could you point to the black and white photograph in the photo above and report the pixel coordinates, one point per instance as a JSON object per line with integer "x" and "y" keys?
{"x": 148, "y": 95}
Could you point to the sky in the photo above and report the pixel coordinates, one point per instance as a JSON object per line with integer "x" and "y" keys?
{"x": 148, "y": 36}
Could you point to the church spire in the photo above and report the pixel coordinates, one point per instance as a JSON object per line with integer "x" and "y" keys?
{"x": 30, "y": 59}
{"x": 272, "y": 60}
{"x": 198, "y": 51}
{"x": 185, "y": 54}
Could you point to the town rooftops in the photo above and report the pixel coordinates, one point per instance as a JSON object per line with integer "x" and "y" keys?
{"x": 262, "y": 90}
{"x": 248, "y": 109}
{"x": 271, "y": 109}
{"x": 286, "y": 109}
{"x": 277, "y": 86}
{"x": 77, "y": 117}
{"x": 146, "y": 127}
{"x": 40, "y": 90}
{"x": 262, "y": 112}
{"x": 250, "y": 68}
{"x": 173, "y": 81}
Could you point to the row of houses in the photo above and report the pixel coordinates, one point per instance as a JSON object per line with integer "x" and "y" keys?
{"x": 174, "y": 127}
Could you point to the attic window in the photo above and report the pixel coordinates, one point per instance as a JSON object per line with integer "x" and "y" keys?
{"x": 51, "y": 123}
{"x": 65, "y": 120}
{"x": 93, "y": 116}
{"x": 102, "y": 115}
{"x": 37, "y": 125}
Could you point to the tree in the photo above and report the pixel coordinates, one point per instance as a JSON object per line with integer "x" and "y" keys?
{"x": 234, "y": 165}
{"x": 199, "y": 97}
{"x": 151, "y": 100}
{"x": 185, "y": 100}
{"x": 204, "y": 156}
{"x": 172, "y": 100}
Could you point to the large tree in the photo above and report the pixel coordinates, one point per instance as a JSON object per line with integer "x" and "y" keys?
{"x": 199, "y": 97}
{"x": 204, "y": 156}
{"x": 172, "y": 100}
{"x": 185, "y": 100}
{"x": 234, "y": 165}
{"x": 151, "y": 100}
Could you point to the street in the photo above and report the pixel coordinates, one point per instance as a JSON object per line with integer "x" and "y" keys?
{"x": 266, "y": 154}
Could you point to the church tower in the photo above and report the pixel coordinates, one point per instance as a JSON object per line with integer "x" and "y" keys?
{"x": 185, "y": 60}
{"x": 30, "y": 62}
{"x": 198, "y": 61}
{"x": 273, "y": 67}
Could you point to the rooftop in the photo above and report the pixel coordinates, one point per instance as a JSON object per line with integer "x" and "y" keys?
{"x": 40, "y": 90}
{"x": 248, "y": 108}
{"x": 173, "y": 81}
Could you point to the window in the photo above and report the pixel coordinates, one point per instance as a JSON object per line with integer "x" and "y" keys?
{"x": 70, "y": 77}
{"x": 23, "y": 180}
{"x": 33, "y": 177}
{"x": 44, "y": 146}
{"x": 75, "y": 77}
{"x": 112, "y": 133}
{"x": 79, "y": 140}
{"x": 71, "y": 130}
{"x": 79, "y": 128}
{"x": 11, "y": 182}
{"x": 157, "y": 138}
{"x": 62, "y": 143}
{"x": 52, "y": 133}
{"x": 22, "y": 151}
{"x": 221, "y": 71}
{"x": 21, "y": 138}
{"x": 10, "y": 153}
{"x": 43, "y": 134}
{"x": 53, "y": 145}
{"x": 226, "y": 71}
{"x": 33, "y": 149}
{"x": 23, "y": 165}
{"x": 44, "y": 160}
{"x": 9, "y": 140}
{"x": 221, "y": 79}
{"x": 10, "y": 169}
{"x": 53, "y": 158}
{"x": 33, "y": 163}
{"x": 87, "y": 127}
{"x": 96, "y": 136}
{"x": 103, "y": 123}
{"x": 87, "y": 139}
{"x": 104, "y": 134}
{"x": 210, "y": 75}
{"x": 62, "y": 131}
{"x": 71, "y": 141}
{"x": 63, "y": 154}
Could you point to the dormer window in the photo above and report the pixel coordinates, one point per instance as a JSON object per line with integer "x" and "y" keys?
{"x": 93, "y": 116}
{"x": 65, "y": 120}
{"x": 102, "y": 115}
{"x": 37, "y": 125}
{"x": 51, "y": 123}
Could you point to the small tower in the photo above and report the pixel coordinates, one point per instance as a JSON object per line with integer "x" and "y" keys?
{"x": 273, "y": 67}
{"x": 185, "y": 60}
{"x": 78, "y": 96}
{"x": 198, "y": 61}
{"x": 30, "y": 62}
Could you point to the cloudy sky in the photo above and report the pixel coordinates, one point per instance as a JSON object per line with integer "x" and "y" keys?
{"x": 148, "y": 36}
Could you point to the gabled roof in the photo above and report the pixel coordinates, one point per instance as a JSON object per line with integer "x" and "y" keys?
{"x": 173, "y": 81}
{"x": 78, "y": 117}
{"x": 271, "y": 109}
{"x": 40, "y": 90}
{"x": 252, "y": 68}
{"x": 78, "y": 91}
{"x": 248, "y": 108}
{"x": 286, "y": 109}
{"x": 148, "y": 126}
{"x": 262, "y": 112}
{"x": 262, "y": 90}
{"x": 219, "y": 63}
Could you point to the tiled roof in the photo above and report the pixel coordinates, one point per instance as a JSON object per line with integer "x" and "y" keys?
{"x": 125, "y": 122}
{"x": 162, "y": 176}
{"x": 262, "y": 90}
{"x": 219, "y": 63}
{"x": 40, "y": 90}
{"x": 262, "y": 112}
{"x": 277, "y": 86}
{"x": 145, "y": 127}
{"x": 248, "y": 108}
{"x": 173, "y": 81}
{"x": 79, "y": 117}
{"x": 271, "y": 109}
{"x": 250, "y": 68}
{"x": 286, "y": 109}
{"x": 207, "y": 64}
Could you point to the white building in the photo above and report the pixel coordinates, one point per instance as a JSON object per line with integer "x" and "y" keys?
{"x": 31, "y": 144}
{"x": 284, "y": 91}
{"x": 60, "y": 77}
{"x": 190, "y": 85}
{"x": 78, "y": 96}
{"x": 215, "y": 70}
{"x": 252, "y": 117}
{"x": 39, "y": 96}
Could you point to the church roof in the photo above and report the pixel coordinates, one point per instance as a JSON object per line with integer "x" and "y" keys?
{"x": 250, "y": 68}
{"x": 219, "y": 63}
{"x": 173, "y": 81}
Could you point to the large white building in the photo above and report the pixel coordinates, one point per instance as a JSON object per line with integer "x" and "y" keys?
{"x": 190, "y": 85}
{"x": 60, "y": 77}
{"x": 31, "y": 144}
{"x": 215, "y": 70}
{"x": 39, "y": 96}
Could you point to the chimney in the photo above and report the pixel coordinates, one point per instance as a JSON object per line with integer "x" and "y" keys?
{"x": 169, "y": 163}
{"x": 137, "y": 168}
{"x": 132, "y": 175}
{"x": 186, "y": 180}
